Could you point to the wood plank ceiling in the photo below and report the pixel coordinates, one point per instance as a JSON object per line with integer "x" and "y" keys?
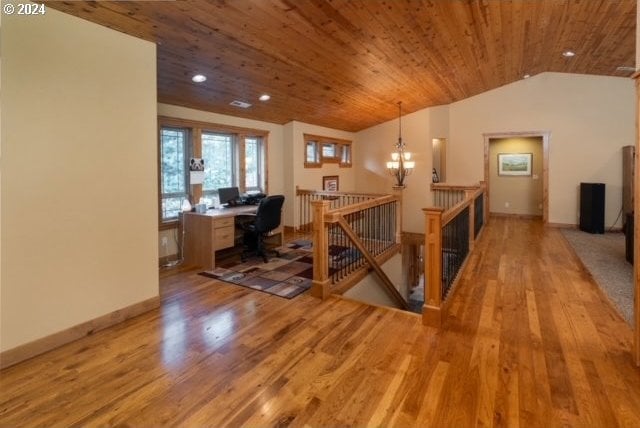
{"x": 345, "y": 63}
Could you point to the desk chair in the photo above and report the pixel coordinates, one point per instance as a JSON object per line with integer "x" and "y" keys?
{"x": 266, "y": 219}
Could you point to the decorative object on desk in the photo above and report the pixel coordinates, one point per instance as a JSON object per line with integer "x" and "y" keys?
{"x": 330, "y": 183}
{"x": 186, "y": 205}
{"x": 196, "y": 170}
{"x": 516, "y": 164}
{"x": 401, "y": 164}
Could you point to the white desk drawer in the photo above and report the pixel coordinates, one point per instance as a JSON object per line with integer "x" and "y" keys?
{"x": 223, "y": 237}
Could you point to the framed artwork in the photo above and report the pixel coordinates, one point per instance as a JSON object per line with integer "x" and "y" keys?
{"x": 330, "y": 183}
{"x": 514, "y": 164}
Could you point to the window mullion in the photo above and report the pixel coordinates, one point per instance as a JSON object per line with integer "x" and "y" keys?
{"x": 241, "y": 155}
{"x": 196, "y": 152}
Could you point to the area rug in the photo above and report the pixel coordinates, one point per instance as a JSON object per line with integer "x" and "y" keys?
{"x": 285, "y": 276}
{"x": 604, "y": 257}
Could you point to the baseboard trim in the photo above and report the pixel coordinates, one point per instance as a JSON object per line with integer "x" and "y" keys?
{"x": 166, "y": 259}
{"x": 47, "y": 343}
{"x": 563, "y": 225}
{"x": 521, "y": 216}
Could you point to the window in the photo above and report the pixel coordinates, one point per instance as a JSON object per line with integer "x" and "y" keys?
{"x": 233, "y": 157}
{"x": 219, "y": 164}
{"x": 312, "y": 154}
{"x": 345, "y": 160}
{"x": 319, "y": 150}
{"x": 173, "y": 182}
{"x": 253, "y": 164}
{"x": 329, "y": 151}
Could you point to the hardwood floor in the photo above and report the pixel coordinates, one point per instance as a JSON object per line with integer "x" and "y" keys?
{"x": 530, "y": 341}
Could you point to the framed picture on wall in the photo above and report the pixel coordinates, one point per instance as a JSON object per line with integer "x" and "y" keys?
{"x": 330, "y": 183}
{"x": 514, "y": 164}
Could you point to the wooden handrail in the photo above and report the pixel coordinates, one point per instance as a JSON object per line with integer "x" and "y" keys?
{"x": 333, "y": 215}
{"x": 445, "y": 186}
{"x": 330, "y": 193}
{"x": 452, "y": 213}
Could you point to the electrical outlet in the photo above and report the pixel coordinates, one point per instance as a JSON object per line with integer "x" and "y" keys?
{"x": 165, "y": 241}
{"x": 506, "y": 204}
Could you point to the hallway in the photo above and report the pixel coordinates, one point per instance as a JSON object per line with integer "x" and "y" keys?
{"x": 530, "y": 341}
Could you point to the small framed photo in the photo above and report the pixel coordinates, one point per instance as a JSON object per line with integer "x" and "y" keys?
{"x": 514, "y": 164}
{"x": 330, "y": 183}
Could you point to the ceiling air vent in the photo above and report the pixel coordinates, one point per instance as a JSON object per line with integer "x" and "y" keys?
{"x": 240, "y": 104}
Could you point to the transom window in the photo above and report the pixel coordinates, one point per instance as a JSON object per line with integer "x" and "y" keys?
{"x": 319, "y": 150}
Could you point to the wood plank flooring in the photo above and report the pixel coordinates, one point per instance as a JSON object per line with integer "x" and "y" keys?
{"x": 530, "y": 341}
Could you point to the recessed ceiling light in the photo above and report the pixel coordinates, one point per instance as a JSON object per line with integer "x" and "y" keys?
{"x": 526, "y": 76}
{"x": 265, "y": 97}
{"x": 568, "y": 54}
{"x": 199, "y": 78}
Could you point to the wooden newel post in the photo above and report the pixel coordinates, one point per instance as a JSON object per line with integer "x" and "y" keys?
{"x": 468, "y": 194}
{"x": 431, "y": 311}
{"x": 485, "y": 204}
{"x": 636, "y": 232}
{"x": 398, "y": 193}
{"x": 320, "y": 286}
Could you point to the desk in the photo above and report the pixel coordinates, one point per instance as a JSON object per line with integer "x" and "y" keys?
{"x": 206, "y": 233}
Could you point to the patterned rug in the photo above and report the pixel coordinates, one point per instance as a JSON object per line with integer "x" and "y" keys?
{"x": 285, "y": 276}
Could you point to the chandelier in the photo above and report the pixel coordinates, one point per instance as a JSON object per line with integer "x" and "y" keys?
{"x": 401, "y": 164}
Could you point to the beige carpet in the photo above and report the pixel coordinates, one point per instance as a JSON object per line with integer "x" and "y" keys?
{"x": 604, "y": 256}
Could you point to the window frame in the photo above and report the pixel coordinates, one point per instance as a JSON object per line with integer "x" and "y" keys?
{"x": 340, "y": 147}
{"x": 193, "y": 148}
{"x": 187, "y": 155}
{"x": 234, "y": 159}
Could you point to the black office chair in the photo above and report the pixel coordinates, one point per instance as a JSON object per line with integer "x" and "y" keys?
{"x": 266, "y": 219}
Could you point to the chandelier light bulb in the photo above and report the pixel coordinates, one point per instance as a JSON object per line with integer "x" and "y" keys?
{"x": 407, "y": 156}
{"x": 395, "y": 156}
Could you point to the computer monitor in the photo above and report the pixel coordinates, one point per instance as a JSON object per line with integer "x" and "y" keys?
{"x": 226, "y": 194}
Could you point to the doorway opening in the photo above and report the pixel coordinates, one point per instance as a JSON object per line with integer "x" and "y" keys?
{"x": 516, "y": 173}
{"x": 439, "y": 159}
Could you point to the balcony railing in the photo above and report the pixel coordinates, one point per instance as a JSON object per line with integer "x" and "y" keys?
{"x": 450, "y": 233}
{"x": 304, "y": 197}
{"x": 351, "y": 239}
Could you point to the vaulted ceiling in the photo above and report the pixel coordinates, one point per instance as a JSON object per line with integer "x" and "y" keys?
{"x": 346, "y": 63}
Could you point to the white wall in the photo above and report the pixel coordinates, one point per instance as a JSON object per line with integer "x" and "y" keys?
{"x": 374, "y": 145}
{"x": 311, "y": 178}
{"x": 590, "y": 118}
{"x": 79, "y": 188}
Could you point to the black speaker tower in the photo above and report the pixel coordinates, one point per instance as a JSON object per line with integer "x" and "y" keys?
{"x": 592, "y": 207}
